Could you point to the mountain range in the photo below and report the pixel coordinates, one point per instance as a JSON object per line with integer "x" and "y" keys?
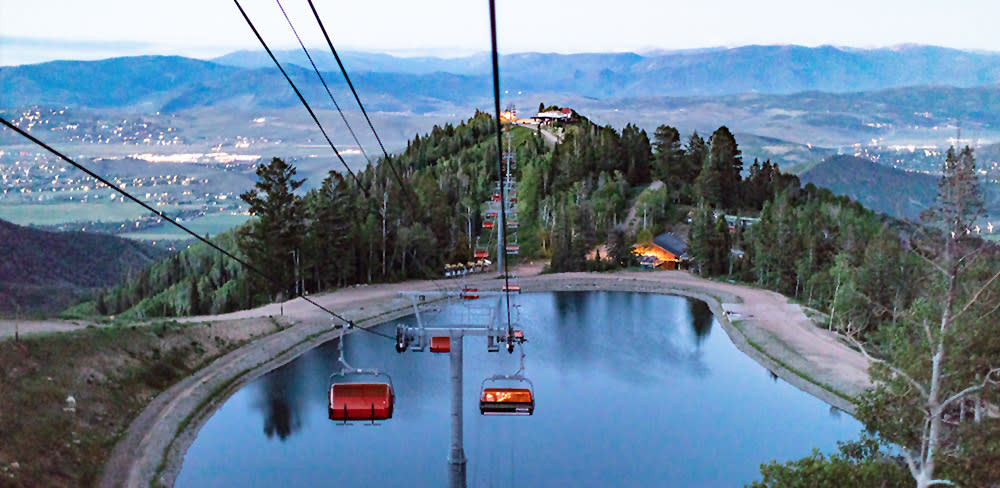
{"x": 419, "y": 85}
{"x": 697, "y": 72}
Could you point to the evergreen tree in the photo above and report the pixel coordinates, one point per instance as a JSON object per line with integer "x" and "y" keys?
{"x": 270, "y": 239}
{"x": 194, "y": 298}
{"x": 695, "y": 154}
{"x": 724, "y": 159}
{"x": 700, "y": 239}
{"x": 709, "y": 187}
{"x": 637, "y": 153}
{"x": 331, "y": 234}
{"x": 668, "y": 157}
{"x": 619, "y": 252}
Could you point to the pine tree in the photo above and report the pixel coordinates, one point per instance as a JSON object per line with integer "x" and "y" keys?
{"x": 637, "y": 153}
{"x": 695, "y": 154}
{"x": 724, "y": 158}
{"x": 194, "y": 298}
{"x": 708, "y": 186}
{"x": 270, "y": 240}
{"x": 668, "y": 157}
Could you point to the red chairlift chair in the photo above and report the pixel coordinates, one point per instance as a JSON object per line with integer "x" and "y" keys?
{"x": 360, "y": 394}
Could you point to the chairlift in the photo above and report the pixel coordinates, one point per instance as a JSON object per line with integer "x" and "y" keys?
{"x": 506, "y": 394}
{"x": 496, "y": 196}
{"x": 360, "y": 394}
{"x": 513, "y": 249}
{"x": 512, "y": 399}
{"x": 487, "y": 224}
{"x": 511, "y": 224}
{"x": 481, "y": 252}
{"x": 492, "y": 214}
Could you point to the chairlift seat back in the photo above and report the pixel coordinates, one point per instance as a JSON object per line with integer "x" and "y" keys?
{"x": 361, "y": 401}
{"x": 507, "y": 401}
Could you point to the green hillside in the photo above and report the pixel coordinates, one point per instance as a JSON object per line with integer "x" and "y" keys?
{"x": 45, "y": 271}
{"x": 887, "y": 190}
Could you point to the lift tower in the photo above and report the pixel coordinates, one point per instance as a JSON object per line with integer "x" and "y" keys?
{"x": 448, "y": 338}
{"x": 502, "y": 202}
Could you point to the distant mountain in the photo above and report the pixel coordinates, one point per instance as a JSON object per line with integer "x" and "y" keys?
{"x": 720, "y": 71}
{"x": 171, "y": 83}
{"x": 881, "y": 188}
{"x": 43, "y": 270}
{"x": 420, "y": 85}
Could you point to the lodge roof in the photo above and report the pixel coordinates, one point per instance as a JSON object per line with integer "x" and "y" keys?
{"x": 671, "y": 243}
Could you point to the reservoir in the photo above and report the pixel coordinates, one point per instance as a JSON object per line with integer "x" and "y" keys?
{"x": 630, "y": 390}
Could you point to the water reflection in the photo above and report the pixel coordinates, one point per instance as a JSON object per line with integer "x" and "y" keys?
{"x": 701, "y": 320}
{"x": 638, "y": 337}
{"x": 628, "y": 387}
{"x": 280, "y": 399}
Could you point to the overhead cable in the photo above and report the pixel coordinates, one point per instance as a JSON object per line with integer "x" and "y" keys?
{"x": 160, "y": 214}
{"x": 301, "y": 98}
{"x": 347, "y": 78}
{"x": 323, "y": 81}
{"x": 503, "y": 199}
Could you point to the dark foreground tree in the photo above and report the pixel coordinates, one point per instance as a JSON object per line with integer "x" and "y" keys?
{"x": 270, "y": 240}
{"x": 932, "y": 383}
{"x": 861, "y": 464}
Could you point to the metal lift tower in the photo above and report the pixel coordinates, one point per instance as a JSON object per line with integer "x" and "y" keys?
{"x": 448, "y": 338}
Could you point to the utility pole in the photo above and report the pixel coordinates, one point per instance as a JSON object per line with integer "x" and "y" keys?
{"x": 298, "y": 286}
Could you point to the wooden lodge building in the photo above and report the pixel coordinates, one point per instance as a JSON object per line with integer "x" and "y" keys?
{"x": 667, "y": 251}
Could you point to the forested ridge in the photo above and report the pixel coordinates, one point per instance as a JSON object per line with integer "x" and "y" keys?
{"x": 903, "y": 293}
{"x": 571, "y": 197}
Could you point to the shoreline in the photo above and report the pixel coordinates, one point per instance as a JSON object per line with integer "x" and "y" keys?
{"x": 762, "y": 325}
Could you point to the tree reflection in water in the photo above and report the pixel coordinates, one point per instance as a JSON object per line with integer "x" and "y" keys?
{"x": 634, "y": 336}
{"x": 281, "y": 396}
{"x": 701, "y": 320}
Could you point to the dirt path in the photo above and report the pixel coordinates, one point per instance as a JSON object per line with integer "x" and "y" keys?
{"x": 550, "y": 138}
{"x": 762, "y": 324}
{"x": 12, "y": 328}
{"x": 631, "y": 220}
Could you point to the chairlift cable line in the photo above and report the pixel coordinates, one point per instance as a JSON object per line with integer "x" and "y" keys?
{"x": 323, "y": 81}
{"x": 301, "y": 98}
{"x": 311, "y": 113}
{"x": 392, "y": 166}
{"x": 503, "y": 201}
{"x": 347, "y": 78}
{"x": 399, "y": 180}
{"x": 160, "y": 214}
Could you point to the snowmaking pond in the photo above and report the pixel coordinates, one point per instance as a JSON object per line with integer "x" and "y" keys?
{"x": 630, "y": 389}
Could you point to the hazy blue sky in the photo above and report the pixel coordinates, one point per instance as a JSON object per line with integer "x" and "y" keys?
{"x": 39, "y": 30}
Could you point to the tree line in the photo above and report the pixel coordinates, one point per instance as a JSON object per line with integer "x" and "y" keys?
{"x": 572, "y": 196}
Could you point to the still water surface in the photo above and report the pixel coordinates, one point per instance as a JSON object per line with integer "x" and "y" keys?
{"x": 631, "y": 390}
